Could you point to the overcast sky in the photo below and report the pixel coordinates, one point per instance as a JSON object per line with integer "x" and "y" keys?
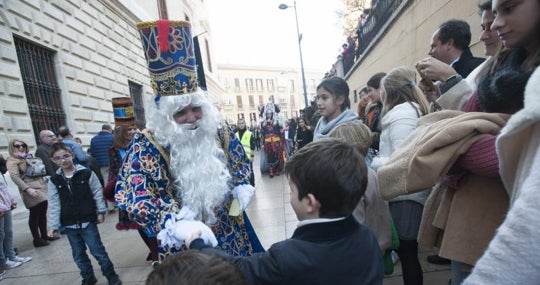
{"x": 257, "y": 32}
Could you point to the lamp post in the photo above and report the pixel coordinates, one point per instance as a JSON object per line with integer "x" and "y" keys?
{"x": 283, "y": 7}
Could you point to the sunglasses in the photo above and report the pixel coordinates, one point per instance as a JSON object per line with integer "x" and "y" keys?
{"x": 19, "y": 145}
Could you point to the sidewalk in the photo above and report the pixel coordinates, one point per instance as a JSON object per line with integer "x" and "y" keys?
{"x": 270, "y": 213}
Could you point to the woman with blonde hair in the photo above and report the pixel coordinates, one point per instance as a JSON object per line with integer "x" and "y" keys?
{"x": 32, "y": 188}
{"x": 403, "y": 104}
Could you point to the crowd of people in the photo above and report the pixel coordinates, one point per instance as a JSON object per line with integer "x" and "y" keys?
{"x": 443, "y": 154}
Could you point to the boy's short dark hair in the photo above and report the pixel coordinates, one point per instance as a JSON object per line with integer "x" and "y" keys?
{"x": 333, "y": 171}
{"x": 194, "y": 267}
{"x": 59, "y": 146}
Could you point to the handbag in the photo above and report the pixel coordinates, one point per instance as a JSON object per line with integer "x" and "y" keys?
{"x": 35, "y": 167}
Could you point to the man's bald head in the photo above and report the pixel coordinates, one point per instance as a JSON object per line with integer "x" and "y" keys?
{"x": 47, "y": 137}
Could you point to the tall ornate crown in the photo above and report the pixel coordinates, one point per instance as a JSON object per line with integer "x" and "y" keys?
{"x": 168, "y": 48}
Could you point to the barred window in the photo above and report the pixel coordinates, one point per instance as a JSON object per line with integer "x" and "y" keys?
{"x": 40, "y": 85}
{"x": 135, "y": 91}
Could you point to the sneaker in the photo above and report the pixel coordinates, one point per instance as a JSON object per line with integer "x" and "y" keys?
{"x": 90, "y": 281}
{"x": 2, "y": 272}
{"x": 11, "y": 264}
{"x": 21, "y": 259}
{"x": 114, "y": 280}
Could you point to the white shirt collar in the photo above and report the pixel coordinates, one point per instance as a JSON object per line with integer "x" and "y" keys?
{"x": 319, "y": 220}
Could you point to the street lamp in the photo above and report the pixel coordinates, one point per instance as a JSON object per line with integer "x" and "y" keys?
{"x": 283, "y": 7}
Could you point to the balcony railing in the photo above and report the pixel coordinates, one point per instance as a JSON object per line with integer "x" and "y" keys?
{"x": 381, "y": 13}
{"x": 375, "y": 21}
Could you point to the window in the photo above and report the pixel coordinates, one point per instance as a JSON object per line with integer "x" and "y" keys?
{"x": 237, "y": 87}
{"x": 291, "y": 85}
{"x": 40, "y": 85}
{"x": 253, "y": 117}
{"x": 251, "y": 101}
{"x": 239, "y": 101}
{"x": 249, "y": 85}
{"x": 270, "y": 83}
{"x": 135, "y": 91}
{"x": 261, "y": 100}
{"x": 259, "y": 84}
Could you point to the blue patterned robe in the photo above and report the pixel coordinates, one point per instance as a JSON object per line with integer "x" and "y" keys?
{"x": 146, "y": 190}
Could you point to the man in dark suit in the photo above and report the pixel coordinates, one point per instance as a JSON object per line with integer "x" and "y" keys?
{"x": 450, "y": 44}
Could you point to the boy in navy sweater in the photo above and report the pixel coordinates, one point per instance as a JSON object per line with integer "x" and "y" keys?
{"x": 327, "y": 179}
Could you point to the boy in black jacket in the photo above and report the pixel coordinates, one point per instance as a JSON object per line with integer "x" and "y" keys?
{"x": 327, "y": 179}
{"x": 76, "y": 203}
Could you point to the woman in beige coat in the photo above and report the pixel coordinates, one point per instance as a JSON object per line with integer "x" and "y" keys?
{"x": 33, "y": 190}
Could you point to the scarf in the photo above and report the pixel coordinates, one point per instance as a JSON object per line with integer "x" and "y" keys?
{"x": 324, "y": 127}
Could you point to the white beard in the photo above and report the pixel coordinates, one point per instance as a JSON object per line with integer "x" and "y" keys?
{"x": 196, "y": 160}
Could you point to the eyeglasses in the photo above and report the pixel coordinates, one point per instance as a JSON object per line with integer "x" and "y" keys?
{"x": 50, "y": 136}
{"x": 19, "y": 145}
{"x": 61, "y": 158}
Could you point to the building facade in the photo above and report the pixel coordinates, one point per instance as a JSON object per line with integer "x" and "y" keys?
{"x": 61, "y": 62}
{"x": 247, "y": 88}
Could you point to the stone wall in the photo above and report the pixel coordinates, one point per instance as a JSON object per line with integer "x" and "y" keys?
{"x": 97, "y": 51}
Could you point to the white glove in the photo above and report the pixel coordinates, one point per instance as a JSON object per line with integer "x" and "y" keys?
{"x": 244, "y": 193}
{"x": 181, "y": 226}
{"x": 185, "y": 229}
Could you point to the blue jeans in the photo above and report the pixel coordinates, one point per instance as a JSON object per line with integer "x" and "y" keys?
{"x": 79, "y": 239}
{"x": 6, "y": 238}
